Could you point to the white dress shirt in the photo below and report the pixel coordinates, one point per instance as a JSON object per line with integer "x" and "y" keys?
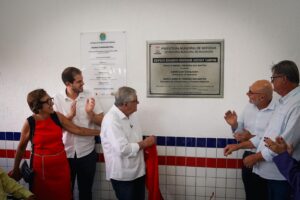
{"x": 82, "y": 145}
{"x": 119, "y": 138}
{"x": 285, "y": 122}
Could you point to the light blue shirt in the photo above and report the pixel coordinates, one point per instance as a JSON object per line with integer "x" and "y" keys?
{"x": 256, "y": 121}
{"x": 285, "y": 122}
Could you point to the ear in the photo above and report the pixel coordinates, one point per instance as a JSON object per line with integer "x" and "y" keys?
{"x": 37, "y": 107}
{"x": 68, "y": 83}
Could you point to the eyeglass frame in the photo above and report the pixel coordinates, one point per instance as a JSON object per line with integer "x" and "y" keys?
{"x": 274, "y": 77}
{"x": 250, "y": 92}
{"x": 47, "y": 101}
{"x": 134, "y": 101}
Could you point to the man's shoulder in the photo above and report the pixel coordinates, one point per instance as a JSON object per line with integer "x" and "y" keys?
{"x": 112, "y": 114}
{"x": 60, "y": 94}
{"x": 59, "y": 97}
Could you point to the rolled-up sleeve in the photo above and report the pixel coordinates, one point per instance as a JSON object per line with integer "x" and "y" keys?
{"x": 255, "y": 141}
{"x": 267, "y": 154}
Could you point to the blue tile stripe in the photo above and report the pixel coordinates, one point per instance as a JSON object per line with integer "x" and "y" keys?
{"x": 161, "y": 140}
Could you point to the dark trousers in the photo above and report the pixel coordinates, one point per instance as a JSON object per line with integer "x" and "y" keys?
{"x": 256, "y": 188}
{"x": 84, "y": 169}
{"x": 279, "y": 190}
{"x": 129, "y": 190}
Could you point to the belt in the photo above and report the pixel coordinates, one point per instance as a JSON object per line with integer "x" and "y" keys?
{"x": 43, "y": 156}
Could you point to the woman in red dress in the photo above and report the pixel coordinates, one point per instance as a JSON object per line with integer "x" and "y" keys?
{"x": 50, "y": 165}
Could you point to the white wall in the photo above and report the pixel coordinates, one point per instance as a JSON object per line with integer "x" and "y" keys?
{"x": 39, "y": 38}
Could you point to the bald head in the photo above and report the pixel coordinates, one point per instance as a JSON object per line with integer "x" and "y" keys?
{"x": 264, "y": 87}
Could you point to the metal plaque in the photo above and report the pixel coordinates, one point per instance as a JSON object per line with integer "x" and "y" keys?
{"x": 185, "y": 68}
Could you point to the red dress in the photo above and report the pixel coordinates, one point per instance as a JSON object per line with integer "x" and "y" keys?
{"x": 52, "y": 173}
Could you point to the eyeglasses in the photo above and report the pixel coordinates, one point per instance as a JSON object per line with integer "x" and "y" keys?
{"x": 274, "y": 77}
{"x": 134, "y": 101}
{"x": 250, "y": 92}
{"x": 48, "y": 101}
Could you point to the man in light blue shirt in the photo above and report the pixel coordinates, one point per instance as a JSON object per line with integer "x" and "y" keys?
{"x": 253, "y": 123}
{"x": 285, "y": 122}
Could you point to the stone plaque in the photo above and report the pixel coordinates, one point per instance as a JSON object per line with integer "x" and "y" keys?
{"x": 185, "y": 68}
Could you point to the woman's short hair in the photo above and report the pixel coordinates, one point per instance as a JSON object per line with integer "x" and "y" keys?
{"x": 124, "y": 95}
{"x": 33, "y": 99}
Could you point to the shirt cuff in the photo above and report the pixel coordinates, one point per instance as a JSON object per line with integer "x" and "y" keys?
{"x": 279, "y": 157}
{"x": 239, "y": 128}
{"x": 255, "y": 141}
{"x": 268, "y": 155}
{"x": 135, "y": 148}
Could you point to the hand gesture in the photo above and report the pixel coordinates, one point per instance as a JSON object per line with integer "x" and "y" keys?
{"x": 231, "y": 119}
{"x": 230, "y": 148}
{"x": 90, "y": 105}
{"x": 243, "y": 136}
{"x": 279, "y": 146}
{"x": 72, "y": 112}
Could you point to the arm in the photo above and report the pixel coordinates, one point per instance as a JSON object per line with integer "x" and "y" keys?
{"x": 147, "y": 142}
{"x": 96, "y": 118}
{"x": 72, "y": 128}
{"x": 289, "y": 168}
{"x": 25, "y": 136}
{"x": 69, "y": 112}
{"x": 251, "y": 160}
{"x": 13, "y": 187}
{"x": 234, "y": 147}
{"x": 89, "y": 108}
{"x": 114, "y": 135}
{"x": 231, "y": 119}
{"x": 288, "y": 131}
{"x": 72, "y": 112}
{"x": 243, "y": 136}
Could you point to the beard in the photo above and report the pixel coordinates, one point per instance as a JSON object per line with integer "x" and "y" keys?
{"x": 77, "y": 90}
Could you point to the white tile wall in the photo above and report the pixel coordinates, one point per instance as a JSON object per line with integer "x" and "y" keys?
{"x": 176, "y": 182}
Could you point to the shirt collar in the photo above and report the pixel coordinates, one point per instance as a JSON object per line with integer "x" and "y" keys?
{"x": 80, "y": 96}
{"x": 119, "y": 112}
{"x": 271, "y": 105}
{"x": 286, "y": 98}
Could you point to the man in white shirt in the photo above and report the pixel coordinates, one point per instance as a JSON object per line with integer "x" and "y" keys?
{"x": 123, "y": 145}
{"x": 83, "y": 109}
{"x": 285, "y": 122}
{"x": 253, "y": 122}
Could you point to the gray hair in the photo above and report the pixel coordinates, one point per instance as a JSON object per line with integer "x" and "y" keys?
{"x": 124, "y": 95}
{"x": 289, "y": 69}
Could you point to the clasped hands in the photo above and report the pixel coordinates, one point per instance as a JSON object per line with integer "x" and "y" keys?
{"x": 278, "y": 146}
